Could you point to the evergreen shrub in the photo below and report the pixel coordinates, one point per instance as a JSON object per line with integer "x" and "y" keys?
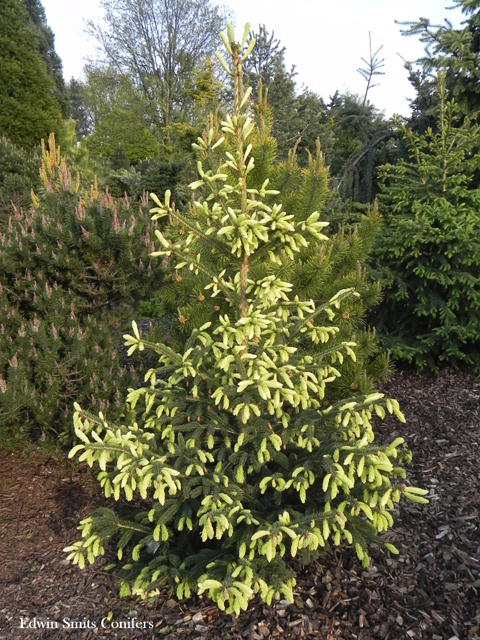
{"x": 429, "y": 252}
{"x": 73, "y": 270}
{"x": 237, "y": 460}
{"x": 18, "y": 175}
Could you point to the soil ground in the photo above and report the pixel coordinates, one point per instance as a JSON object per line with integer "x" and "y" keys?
{"x": 430, "y": 590}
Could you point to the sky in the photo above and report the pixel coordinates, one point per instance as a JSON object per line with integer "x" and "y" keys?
{"x": 325, "y": 39}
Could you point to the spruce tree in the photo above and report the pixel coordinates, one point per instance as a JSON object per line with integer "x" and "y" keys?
{"x": 428, "y": 253}
{"x": 453, "y": 53}
{"x": 359, "y": 144}
{"x": 267, "y": 65}
{"x": 318, "y": 271}
{"x": 78, "y": 108}
{"x": 238, "y": 459}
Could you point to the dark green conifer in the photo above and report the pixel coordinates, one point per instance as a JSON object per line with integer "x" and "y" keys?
{"x": 29, "y": 110}
{"x": 429, "y": 251}
{"x": 297, "y": 116}
{"x": 46, "y": 47}
{"x": 119, "y": 159}
{"x": 453, "y": 53}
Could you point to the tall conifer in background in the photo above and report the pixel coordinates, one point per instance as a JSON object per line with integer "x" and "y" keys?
{"x": 238, "y": 458}
{"x": 29, "y": 110}
{"x": 78, "y": 109}
{"x": 46, "y": 47}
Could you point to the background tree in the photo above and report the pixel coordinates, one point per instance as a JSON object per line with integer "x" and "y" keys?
{"x": 453, "y": 53}
{"x": 118, "y": 114}
{"x": 353, "y": 134}
{"x": 78, "y": 109}
{"x": 117, "y": 117}
{"x": 159, "y": 45}
{"x": 29, "y": 110}
{"x": 267, "y": 65}
{"x": 361, "y": 135}
{"x": 358, "y": 143}
{"x": 46, "y": 47}
{"x": 295, "y": 115}
{"x": 429, "y": 252}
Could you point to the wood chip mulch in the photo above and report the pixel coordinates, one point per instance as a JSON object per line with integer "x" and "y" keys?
{"x": 431, "y": 590}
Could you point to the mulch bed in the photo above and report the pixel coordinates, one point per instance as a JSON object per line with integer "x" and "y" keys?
{"x": 431, "y": 590}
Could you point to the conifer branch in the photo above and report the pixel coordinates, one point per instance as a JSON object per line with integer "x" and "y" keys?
{"x": 198, "y": 266}
{"x": 321, "y": 309}
{"x": 183, "y": 222}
